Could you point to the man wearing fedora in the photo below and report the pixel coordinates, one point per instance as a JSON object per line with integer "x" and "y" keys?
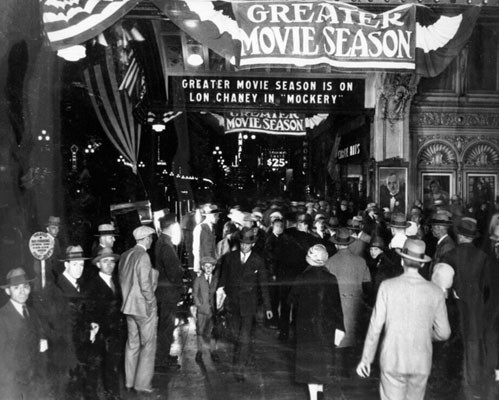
{"x": 104, "y": 304}
{"x": 106, "y": 236}
{"x": 381, "y": 266}
{"x": 471, "y": 288}
{"x": 243, "y": 274}
{"x": 411, "y": 312}
{"x": 354, "y": 280}
{"x": 440, "y": 225}
{"x": 170, "y": 287}
{"x": 72, "y": 331}
{"x": 204, "y": 241}
{"x": 20, "y": 341}
{"x": 138, "y": 281}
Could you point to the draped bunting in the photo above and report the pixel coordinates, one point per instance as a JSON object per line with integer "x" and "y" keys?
{"x": 114, "y": 109}
{"x": 434, "y": 40}
{"x": 71, "y": 22}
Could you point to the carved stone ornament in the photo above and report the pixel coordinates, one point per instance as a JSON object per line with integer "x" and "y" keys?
{"x": 395, "y": 96}
{"x": 444, "y": 118}
{"x": 481, "y": 155}
{"x": 437, "y": 154}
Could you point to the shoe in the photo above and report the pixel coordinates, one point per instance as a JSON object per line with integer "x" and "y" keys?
{"x": 199, "y": 357}
{"x": 147, "y": 391}
{"x": 129, "y": 389}
{"x": 215, "y": 357}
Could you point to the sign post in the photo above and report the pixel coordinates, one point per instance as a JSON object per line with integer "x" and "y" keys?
{"x": 41, "y": 246}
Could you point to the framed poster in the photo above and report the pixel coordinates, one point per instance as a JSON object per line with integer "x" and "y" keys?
{"x": 392, "y": 188}
{"x": 436, "y": 186}
{"x": 481, "y": 188}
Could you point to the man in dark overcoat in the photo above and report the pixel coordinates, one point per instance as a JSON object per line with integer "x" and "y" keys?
{"x": 71, "y": 332}
{"x": 20, "y": 341}
{"x": 243, "y": 273}
{"x": 471, "y": 287}
{"x": 169, "y": 289}
{"x": 104, "y": 304}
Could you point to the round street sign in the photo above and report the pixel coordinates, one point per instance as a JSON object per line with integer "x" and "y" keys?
{"x": 41, "y": 245}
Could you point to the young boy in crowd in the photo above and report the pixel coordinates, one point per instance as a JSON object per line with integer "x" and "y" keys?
{"x": 204, "y": 294}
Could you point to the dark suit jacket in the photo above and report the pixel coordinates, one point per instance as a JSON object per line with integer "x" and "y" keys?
{"x": 104, "y": 307}
{"x": 447, "y": 244}
{"x": 241, "y": 282}
{"x": 471, "y": 284}
{"x": 170, "y": 271}
{"x": 19, "y": 349}
{"x": 203, "y": 294}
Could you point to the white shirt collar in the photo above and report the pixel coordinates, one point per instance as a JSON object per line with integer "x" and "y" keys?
{"x": 106, "y": 278}
{"x": 17, "y": 306}
{"x": 245, "y": 256}
{"x": 70, "y": 279}
{"x": 442, "y": 238}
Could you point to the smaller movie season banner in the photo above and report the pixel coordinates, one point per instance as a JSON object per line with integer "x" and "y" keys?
{"x": 276, "y": 123}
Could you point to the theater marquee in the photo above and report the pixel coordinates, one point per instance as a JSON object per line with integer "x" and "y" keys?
{"x": 198, "y": 93}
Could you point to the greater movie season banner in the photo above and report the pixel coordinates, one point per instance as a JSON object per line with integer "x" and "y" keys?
{"x": 338, "y": 34}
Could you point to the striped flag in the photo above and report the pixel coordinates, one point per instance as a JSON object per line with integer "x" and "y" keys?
{"x": 71, "y": 22}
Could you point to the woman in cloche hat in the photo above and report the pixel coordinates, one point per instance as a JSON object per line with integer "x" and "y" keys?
{"x": 319, "y": 321}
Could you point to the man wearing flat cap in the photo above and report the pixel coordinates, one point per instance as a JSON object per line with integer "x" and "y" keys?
{"x": 104, "y": 304}
{"x": 411, "y": 312}
{"x": 20, "y": 341}
{"x": 138, "y": 281}
{"x": 243, "y": 272}
{"x": 470, "y": 289}
{"x": 170, "y": 286}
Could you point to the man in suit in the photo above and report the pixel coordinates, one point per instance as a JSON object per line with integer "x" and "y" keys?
{"x": 354, "y": 280}
{"x": 471, "y": 290}
{"x": 204, "y": 240}
{"x": 243, "y": 272}
{"x": 73, "y": 356}
{"x": 440, "y": 225}
{"x": 169, "y": 286}
{"x": 104, "y": 303}
{"x": 392, "y": 194}
{"x": 106, "y": 236}
{"x": 411, "y": 312}
{"x": 138, "y": 281}
{"x": 203, "y": 293}
{"x": 20, "y": 341}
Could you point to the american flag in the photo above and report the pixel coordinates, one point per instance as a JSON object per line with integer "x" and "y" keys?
{"x": 71, "y": 22}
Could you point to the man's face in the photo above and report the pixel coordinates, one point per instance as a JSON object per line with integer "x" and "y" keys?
{"x": 374, "y": 252}
{"x": 434, "y": 188}
{"x": 19, "y": 293}
{"x": 393, "y": 185}
{"x": 278, "y": 228}
{"x": 106, "y": 265}
{"x": 74, "y": 268}
{"x": 107, "y": 240}
{"x": 53, "y": 230}
{"x": 246, "y": 247}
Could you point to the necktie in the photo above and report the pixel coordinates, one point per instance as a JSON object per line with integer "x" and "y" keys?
{"x": 77, "y": 287}
{"x": 25, "y": 312}
{"x": 392, "y": 203}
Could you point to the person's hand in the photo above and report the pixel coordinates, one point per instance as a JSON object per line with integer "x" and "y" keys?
{"x": 363, "y": 369}
{"x": 269, "y": 314}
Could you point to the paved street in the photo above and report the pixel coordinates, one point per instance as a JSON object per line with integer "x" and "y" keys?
{"x": 270, "y": 376}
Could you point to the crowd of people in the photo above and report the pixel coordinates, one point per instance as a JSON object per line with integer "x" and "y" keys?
{"x": 332, "y": 280}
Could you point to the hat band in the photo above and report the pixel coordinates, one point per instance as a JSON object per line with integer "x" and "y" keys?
{"x": 75, "y": 255}
{"x": 410, "y": 253}
{"x": 342, "y": 240}
{"x": 466, "y": 232}
{"x": 102, "y": 233}
{"x": 17, "y": 280}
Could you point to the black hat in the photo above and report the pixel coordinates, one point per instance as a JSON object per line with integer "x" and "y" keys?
{"x": 166, "y": 220}
{"x": 247, "y": 235}
{"x": 467, "y": 227}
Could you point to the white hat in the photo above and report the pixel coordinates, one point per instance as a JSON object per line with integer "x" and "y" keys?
{"x": 143, "y": 231}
